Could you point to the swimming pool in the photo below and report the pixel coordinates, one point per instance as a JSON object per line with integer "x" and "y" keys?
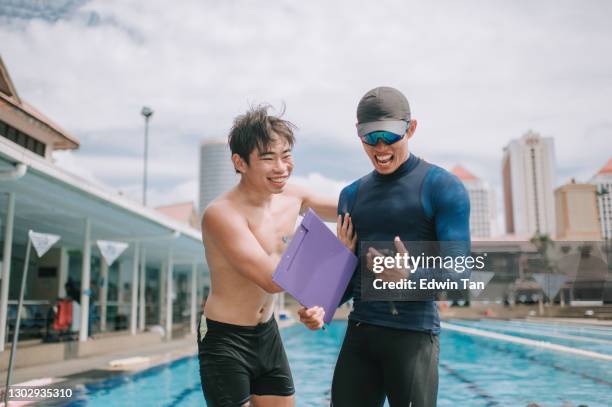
{"x": 475, "y": 370}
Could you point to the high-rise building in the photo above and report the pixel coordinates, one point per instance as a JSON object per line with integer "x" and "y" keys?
{"x": 482, "y": 203}
{"x": 528, "y": 173}
{"x": 603, "y": 182}
{"x": 576, "y": 211}
{"x": 217, "y": 173}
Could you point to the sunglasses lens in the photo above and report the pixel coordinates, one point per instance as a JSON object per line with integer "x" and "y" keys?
{"x": 387, "y": 137}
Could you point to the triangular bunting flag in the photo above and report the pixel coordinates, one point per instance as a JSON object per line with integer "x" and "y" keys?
{"x": 480, "y": 277}
{"x": 42, "y": 242}
{"x": 111, "y": 250}
{"x": 550, "y": 283}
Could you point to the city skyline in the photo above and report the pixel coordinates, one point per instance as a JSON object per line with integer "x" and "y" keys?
{"x": 477, "y": 75}
{"x": 528, "y": 172}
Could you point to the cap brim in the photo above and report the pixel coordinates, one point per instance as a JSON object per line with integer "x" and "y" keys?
{"x": 398, "y": 127}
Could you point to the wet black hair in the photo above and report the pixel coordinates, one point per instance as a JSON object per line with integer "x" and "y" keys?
{"x": 256, "y": 129}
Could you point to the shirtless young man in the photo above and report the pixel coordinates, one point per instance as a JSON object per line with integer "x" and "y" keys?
{"x": 245, "y": 232}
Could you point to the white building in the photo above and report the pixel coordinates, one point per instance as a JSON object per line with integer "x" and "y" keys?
{"x": 603, "y": 182}
{"x": 37, "y": 195}
{"x": 217, "y": 173}
{"x": 482, "y": 203}
{"x": 528, "y": 173}
{"x": 576, "y": 211}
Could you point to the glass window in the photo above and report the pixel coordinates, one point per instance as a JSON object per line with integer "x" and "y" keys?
{"x": 30, "y": 143}
{"x": 11, "y": 134}
{"x": 21, "y": 139}
{"x": 39, "y": 148}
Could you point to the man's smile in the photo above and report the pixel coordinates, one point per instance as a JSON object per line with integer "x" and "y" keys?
{"x": 383, "y": 158}
{"x": 279, "y": 180}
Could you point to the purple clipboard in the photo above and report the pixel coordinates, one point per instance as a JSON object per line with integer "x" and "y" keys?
{"x": 316, "y": 267}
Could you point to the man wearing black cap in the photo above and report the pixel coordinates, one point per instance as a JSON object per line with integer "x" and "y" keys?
{"x": 391, "y": 348}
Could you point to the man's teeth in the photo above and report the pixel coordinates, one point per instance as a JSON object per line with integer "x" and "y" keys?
{"x": 383, "y": 159}
{"x": 281, "y": 179}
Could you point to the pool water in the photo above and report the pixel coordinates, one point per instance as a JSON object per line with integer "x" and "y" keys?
{"x": 474, "y": 370}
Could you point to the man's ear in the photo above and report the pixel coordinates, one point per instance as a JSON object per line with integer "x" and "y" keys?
{"x": 412, "y": 128}
{"x": 239, "y": 164}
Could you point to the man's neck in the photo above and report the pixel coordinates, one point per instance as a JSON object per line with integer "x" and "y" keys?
{"x": 253, "y": 195}
{"x": 407, "y": 158}
{"x": 399, "y": 167}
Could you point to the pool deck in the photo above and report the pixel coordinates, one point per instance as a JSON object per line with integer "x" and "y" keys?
{"x": 75, "y": 373}
{"x": 155, "y": 354}
{"x": 79, "y": 371}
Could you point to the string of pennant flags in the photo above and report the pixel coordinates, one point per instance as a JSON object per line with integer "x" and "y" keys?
{"x": 42, "y": 242}
{"x": 110, "y": 250}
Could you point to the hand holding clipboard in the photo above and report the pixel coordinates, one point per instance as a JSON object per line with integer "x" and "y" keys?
{"x": 316, "y": 267}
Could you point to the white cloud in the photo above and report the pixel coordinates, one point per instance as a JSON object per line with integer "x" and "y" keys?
{"x": 129, "y": 167}
{"x": 320, "y": 184}
{"x": 477, "y": 74}
{"x": 157, "y": 196}
{"x": 68, "y": 162}
{"x": 130, "y": 172}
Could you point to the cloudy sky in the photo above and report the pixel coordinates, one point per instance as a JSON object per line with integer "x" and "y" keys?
{"x": 477, "y": 74}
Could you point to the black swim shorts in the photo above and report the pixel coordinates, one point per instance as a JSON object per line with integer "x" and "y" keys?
{"x": 238, "y": 361}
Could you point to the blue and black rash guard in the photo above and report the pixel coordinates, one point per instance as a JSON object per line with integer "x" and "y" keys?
{"x": 417, "y": 202}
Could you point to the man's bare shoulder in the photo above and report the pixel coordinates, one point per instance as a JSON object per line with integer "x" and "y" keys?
{"x": 295, "y": 191}
{"x": 223, "y": 209}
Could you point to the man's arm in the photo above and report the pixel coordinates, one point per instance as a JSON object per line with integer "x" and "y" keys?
{"x": 238, "y": 245}
{"x": 345, "y": 206}
{"x": 451, "y": 207}
{"x": 324, "y": 206}
{"x": 447, "y": 201}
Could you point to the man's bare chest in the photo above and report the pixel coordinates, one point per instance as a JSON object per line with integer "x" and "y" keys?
{"x": 274, "y": 229}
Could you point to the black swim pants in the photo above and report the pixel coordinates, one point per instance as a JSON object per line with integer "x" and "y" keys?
{"x": 377, "y": 362}
{"x": 238, "y": 361}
